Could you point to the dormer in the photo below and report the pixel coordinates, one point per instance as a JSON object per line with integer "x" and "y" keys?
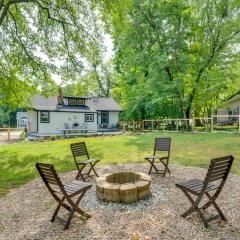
{"x": 75, "y": 101}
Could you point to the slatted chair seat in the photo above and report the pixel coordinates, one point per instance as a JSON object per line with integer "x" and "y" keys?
{"x": 63, "y": 192}
{"x": 161, "y": 145}
{"x": 152, "y": 157}
{"x": 195, "y": 186}
{"x": 80, "y": 150}
{"x": 217, "y": 172}
{"x": 72, "y": 188}
{"x": 88, "y": 161}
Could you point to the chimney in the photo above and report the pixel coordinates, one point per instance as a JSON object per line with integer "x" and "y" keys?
{"x": 60, "y": 99}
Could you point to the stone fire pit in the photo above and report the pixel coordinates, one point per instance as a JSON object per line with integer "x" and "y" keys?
{"x": 123, "y": 187}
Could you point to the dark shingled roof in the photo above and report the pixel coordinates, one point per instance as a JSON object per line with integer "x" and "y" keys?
{"x": 95, "y": 104}
{"x": 104, "y": 104}
{"x": 45, "y": 103}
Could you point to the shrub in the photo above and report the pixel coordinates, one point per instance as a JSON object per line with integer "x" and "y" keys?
{"x": 53, "y": 137}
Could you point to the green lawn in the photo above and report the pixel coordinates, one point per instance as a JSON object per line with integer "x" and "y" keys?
{"x": 17, "y": 160}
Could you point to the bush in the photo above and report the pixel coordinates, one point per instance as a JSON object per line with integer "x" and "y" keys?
{"x": 53, "y": 137}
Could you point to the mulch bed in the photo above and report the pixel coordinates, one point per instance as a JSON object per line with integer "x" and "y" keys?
{"x": 25, "y": 212}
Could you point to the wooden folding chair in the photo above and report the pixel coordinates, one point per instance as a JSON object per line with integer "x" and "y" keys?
{"x": 79, "y": 150}
{"x": 217, "y": 172}
{"x": 64, "y": 192}
{"x": 161, "y": 145}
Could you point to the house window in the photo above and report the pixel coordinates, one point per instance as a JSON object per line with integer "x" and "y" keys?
{"x": 72, "y": 101}
{"x": 81, "y": 102}
{"x": 105, "y": 118}
{"x": 44, "y": 117}
{"x": 89, "y": 118}
{"x": 76, "y": 101}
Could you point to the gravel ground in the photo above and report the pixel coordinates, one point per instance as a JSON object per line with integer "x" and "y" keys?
{"x": 26, "y": 211}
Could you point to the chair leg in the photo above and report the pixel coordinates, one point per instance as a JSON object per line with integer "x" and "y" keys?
{"x": 57, "y": 210}
{"x": 152, "y": 166}
{"x": 194, "y": 208}
{"x": 166, "y": 168}
{"x": 79, "y": 174}
{"x": 69, "y": 219}
{"x": 212, "y": 200}
{"x": 92, "y": 168}
{"x": 60, "y": 204}
{"x": 150, "y": 170}
{"x": 76, "y": 208}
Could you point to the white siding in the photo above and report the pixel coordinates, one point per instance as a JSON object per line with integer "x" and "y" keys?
{"x": 113, "y": 118}
{"x": 57, "y": 120}
{"x": 32, "y": 121}
{"x": 233, "y": 106}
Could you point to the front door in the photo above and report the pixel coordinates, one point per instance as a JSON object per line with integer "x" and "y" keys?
{"x": 105, "y": 117}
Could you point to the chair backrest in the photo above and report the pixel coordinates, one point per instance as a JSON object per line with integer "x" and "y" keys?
{"x": 79, "y": 149}
{"x": 219, "y": 169}
{"x": 162, "y": 145}
{"x": 49, "y": 175}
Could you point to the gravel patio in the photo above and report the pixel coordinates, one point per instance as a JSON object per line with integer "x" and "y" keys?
{"x": 26, "y": 212}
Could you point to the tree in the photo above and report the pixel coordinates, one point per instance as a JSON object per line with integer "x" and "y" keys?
{"x": 41, "y": 37}
{"x": 174, "y": 57}
{"x": 4, "y": 116}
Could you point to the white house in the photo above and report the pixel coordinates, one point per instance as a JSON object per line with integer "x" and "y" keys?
{"x": 52, "y": 115}
{"x": 22, "y": 119}
{"x": 229, "y": 109}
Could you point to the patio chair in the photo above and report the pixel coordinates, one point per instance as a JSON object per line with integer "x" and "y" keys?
{"x": 161, "y": 145}
{"x": 217, "y": 172}
{"x": 62, "y": 192}
{"x": 79, "y": 150}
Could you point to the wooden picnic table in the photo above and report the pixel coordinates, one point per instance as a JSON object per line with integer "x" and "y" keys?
{"x": 71, "y": 130}
{"x": 80, "y": 130}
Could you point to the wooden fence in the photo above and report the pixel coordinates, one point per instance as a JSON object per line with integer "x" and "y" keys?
{"x": 215, "y": 123}
{"x": 7, "y": 134}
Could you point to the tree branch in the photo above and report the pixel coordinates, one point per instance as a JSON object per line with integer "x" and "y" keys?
{"x": 6, "y": 7}
{"x": 20, "y": 40}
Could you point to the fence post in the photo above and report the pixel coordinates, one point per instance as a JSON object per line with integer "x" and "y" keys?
{"x": 239, "y": 123}
{"x": 193, "y": 124}
{"x": 143, "y": 125}
{"x": 212, "y": 123}
{"x": 133, "y": 126}
{"x": 8, "y": 134}
{"x": 152, "y": 125}
{"x": 123, "y": 126}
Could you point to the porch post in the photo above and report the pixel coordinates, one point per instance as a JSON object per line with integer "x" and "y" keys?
{"x": 8, "y": 133}
{"x": 212, "y": 123}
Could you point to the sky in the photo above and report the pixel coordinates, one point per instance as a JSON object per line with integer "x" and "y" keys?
{"x": 108, "y": 42}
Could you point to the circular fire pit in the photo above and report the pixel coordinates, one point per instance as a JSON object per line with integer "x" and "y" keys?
{"x": 123, "y": 187}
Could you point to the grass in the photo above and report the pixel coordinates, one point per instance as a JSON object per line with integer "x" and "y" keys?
{"x": 17, "y": 161}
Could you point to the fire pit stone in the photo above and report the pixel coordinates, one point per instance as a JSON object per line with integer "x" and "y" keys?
{"x": 123, "y": 187}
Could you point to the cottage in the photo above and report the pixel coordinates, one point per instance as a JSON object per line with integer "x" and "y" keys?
{"x": 229, "y": 110}
{"x": 53, "y": 115}
{"x": 21, "y": 118}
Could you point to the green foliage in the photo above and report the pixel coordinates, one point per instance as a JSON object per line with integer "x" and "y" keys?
{"x": 4, "y": 116}
{"x": 41, "y": 38}
{"x": 175, "y": 58}
{"x": 53, "y": 137}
